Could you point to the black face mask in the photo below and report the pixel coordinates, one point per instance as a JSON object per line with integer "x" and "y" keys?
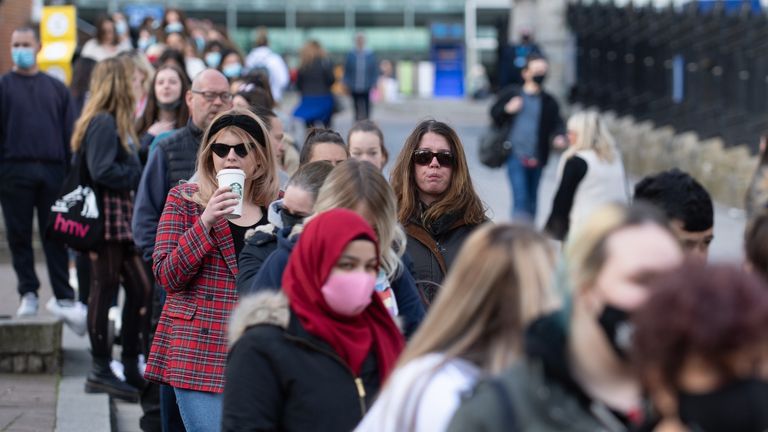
{"x": 169, "y": 106}
{"x": 739, "y": 406}
{"x": 290, "y": 219}
{"x": 617, "y": 328}
{"x": 539, "y": 79}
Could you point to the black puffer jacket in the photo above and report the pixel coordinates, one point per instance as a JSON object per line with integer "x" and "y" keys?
{"x": 258, "y": 247}
{"x": 279, "y": 377}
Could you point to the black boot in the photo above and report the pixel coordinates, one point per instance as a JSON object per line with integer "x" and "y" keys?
{"x": 132, "y": 373}
{"x": 102, "y": 380}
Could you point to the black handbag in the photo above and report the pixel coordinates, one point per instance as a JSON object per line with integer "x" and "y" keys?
{"x": 495, "y": 147}
{"x": 76, "y": 218}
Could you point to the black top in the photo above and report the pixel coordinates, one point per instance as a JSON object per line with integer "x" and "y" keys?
{"x": 37, "y": 116}
{"x": 109, "y": 163}
{"x": 559, "y": 220}
{"x": 550, "y": 122}
{"x": 289, "y": 380}
{"x": 238, "y": 232}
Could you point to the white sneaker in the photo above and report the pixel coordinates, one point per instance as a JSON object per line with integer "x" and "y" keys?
{"x": 73, "y": 282}
{"x": 73, "y": 313}
{"x": 28, "y": 306}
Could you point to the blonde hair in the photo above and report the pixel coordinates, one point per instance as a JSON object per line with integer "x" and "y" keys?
{"x": 141, "y": 63}
{"x": 110, "y": 92}
{"x": 354, "y": 182}
{"x": 261, "y": 185}
{"x": 500, "y": 281}
{"x": 591, "y": 134}
{"x": 586, "y": 252}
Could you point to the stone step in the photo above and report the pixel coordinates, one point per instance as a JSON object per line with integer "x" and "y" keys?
{"x": 30, "y": 345}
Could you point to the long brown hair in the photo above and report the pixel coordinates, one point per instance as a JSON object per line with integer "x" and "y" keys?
{"x": 262, "y": 185}
{"x": 311, "y": 51}
{"x": 110, "y": 92}
{"x": 152, "y": 111}
{"x": 498, "y": 284}
{"x": 460, "y": 197}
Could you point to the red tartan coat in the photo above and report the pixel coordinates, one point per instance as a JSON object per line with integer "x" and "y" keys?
{"x": 197, "y": 269}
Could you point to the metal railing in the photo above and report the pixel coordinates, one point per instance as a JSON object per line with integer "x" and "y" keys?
{"x": 702, "y": 71}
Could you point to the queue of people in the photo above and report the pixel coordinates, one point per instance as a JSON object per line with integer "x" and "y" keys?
{"x": 320, "y": 295}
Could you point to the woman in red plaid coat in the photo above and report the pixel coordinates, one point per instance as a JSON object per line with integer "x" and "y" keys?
{"x": 195, "y": 261}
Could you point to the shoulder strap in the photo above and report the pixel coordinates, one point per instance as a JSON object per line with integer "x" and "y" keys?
{"x": 424, "y": 238}
{"x": 505, "y": 400}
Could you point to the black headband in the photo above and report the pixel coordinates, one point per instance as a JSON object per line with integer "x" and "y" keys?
{"x": 244, "y": 122}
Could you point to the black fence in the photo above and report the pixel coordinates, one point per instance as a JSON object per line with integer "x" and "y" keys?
{"x": 696, "y": 71}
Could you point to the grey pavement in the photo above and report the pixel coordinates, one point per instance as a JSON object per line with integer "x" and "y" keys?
{"x": 47, "y": 403}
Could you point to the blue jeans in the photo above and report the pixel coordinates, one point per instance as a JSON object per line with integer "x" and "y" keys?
{"x": 200, "y": 411}
{"x": 525, "y": 188}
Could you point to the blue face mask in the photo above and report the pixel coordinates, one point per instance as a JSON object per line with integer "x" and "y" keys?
{"x": 121, "y": 28}
{"x": 146, "y": 43}
{"x": 213, "y": 59}
{"x": 232, "y": 70}
{"x": 174, "y": 27}
{"x": 200, "y": 43}
{"x": 23, "y": 57}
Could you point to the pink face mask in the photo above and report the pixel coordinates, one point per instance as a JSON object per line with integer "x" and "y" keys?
{"x": 348, "y": 294}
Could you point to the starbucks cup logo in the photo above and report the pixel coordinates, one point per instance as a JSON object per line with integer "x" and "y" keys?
{"x": 233, "y": 178}
{"x": 238, "y": 189}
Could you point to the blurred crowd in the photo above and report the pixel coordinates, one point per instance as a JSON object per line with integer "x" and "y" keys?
{"x": 316, "y": 294}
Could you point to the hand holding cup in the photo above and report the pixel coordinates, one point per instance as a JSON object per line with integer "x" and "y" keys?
{"x": 222, "y": 203}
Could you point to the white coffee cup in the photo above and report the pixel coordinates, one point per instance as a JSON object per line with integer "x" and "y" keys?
{"x": 235, "y": 179}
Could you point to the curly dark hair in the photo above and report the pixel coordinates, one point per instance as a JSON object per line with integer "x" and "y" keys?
{"x": 711, "y": 312}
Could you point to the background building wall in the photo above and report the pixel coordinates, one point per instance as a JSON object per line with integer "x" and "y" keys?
{"x": 547, "y": 21}
{"x": 13, "y": 14}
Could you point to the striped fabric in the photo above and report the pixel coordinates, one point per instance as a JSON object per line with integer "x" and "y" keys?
{"x": 197, "y": 269}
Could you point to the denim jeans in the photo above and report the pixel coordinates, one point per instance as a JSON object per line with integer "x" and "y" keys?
{"x": 525, "y": 188}
{"x": 200, "y": 411}
{"x": 170, "y": 419}
{"x": 24, "y": 188}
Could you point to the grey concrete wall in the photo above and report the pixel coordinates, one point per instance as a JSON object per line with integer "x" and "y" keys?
{"x": 724, "y": 172}
{"x": 546, "y": 19}
{"x": 30, "y": 345}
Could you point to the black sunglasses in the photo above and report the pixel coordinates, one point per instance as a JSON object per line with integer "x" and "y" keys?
{"x": 222, "y": 150}
{"x": 424, "y": 157}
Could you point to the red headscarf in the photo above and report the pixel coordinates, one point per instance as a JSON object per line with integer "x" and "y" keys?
{"x": 321, "y": 243}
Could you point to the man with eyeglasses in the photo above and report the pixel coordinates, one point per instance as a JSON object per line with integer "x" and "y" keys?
{"x": 172, "y": 161}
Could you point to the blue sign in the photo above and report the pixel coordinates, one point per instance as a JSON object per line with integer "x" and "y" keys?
{"x": 730, "y": 5}
{"x": 137, "y": 12}
{"x": 447, "y": 54}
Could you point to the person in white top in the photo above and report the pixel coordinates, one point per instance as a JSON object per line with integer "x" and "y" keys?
{"x": 106, "y": 43}
{"x": 498, "y": 284}
{"x": 262, "y": 57}
{"x": 590, "y": 175}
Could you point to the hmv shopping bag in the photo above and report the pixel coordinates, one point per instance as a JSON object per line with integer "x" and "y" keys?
{"x": 76, "y": 218}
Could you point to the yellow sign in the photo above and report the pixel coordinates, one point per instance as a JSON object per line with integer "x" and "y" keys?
{"x": 58, "y": 36}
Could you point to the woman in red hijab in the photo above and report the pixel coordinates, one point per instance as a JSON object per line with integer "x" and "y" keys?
{"x": 313, "y": 356}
